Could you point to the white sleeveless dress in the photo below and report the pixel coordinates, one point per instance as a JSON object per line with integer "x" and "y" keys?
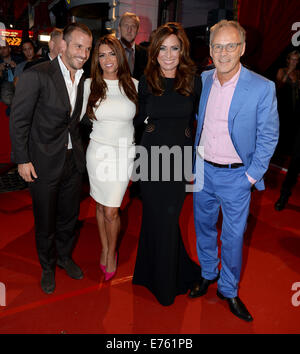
{"x": 111, "y": 151}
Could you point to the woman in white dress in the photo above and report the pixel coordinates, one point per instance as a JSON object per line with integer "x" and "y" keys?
{"x": 110, "y": 101}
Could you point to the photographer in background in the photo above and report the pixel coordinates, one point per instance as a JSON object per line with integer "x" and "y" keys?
{"x": 8, "y": 62}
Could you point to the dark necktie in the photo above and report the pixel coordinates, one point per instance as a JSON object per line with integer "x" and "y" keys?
{"x": 130, "y": 56}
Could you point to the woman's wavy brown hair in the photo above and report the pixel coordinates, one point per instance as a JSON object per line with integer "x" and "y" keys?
{"x": 98, "y": 85}
{"x": 184, "y": 80}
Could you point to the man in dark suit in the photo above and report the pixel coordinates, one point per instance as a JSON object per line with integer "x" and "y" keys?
{"x": 47, "y": 147}
{"x": 136, "y": 54}
{"x": 137, "y": 60}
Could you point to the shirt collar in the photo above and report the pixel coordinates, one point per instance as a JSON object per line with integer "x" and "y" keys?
{"x": 232, "y": 82}
{"x": 66, "y": 72}
{"x": 124, "y": 46}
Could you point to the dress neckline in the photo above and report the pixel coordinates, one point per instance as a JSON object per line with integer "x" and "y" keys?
{"x": 111, "y": 81}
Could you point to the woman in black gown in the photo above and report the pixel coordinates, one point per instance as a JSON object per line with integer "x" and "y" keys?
{"x": 168, "y": 95}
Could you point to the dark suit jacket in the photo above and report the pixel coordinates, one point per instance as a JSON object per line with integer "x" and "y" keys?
{"x": 35, "y": 62}
{"x": 140, "y": 61}
{"x": 40, "y": 121}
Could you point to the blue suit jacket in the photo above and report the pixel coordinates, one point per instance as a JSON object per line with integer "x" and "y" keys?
{"x": 253, "y": 122}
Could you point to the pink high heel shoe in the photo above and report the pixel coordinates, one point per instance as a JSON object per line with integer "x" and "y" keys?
{"x": 109, "y": 275}
{"x": 103, "y": 267}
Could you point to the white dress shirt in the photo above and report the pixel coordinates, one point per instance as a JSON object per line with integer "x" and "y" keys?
{"x": 71, "y": 87}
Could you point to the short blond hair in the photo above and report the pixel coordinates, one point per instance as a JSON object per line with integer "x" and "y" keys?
{"x": 225, "y": 23}
{"x": 131, "y": 15}
{"x": 57, "y": 32}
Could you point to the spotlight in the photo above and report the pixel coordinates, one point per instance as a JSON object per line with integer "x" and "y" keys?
{"x": 44, "y": 38}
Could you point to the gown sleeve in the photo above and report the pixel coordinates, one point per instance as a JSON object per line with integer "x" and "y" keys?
{"x": 197, "y": 94}
{"x": 197, "y": 91}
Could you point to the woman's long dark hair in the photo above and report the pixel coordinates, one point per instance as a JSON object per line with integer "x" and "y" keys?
{"x": 98, "y": 85}
{"x": 184, "y": 80}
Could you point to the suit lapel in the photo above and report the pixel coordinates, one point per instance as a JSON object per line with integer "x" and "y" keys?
{"x": 137, "y": 52}
{"x": 239, "y": 97}
{"x": 136, "y": 61}
{"x": 79, "y": 96}
{"x": 59, "y": 83}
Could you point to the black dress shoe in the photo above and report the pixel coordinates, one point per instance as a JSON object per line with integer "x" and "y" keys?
{"x": 281, "y": 202}
{"x": 71, "y": 268}
{"x": 48, "y": 281}
{"x": 200, "y": 287}
{"x": 237, "y": 307}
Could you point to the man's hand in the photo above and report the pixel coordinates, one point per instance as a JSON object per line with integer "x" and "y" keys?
{"x": 12, "y": 64}
{"x": 27, "y": 171}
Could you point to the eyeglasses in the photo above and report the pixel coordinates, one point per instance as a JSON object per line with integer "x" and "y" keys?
{"x": 229, "y": 47}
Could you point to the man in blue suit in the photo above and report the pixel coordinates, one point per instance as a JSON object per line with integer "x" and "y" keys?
{"x": 238, "y": 129}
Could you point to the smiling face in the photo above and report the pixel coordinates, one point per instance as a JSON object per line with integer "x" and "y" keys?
{"x": 108, "y": 62}
{"x": 169, "y": 55}
{"x": 77, "y": 51}
{"x": 227, "y": 63}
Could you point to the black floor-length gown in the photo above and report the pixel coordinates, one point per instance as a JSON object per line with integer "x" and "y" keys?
{"x": 162, "y": 264}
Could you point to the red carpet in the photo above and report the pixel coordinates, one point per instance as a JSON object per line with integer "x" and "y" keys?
{"x": 271, "y": 267}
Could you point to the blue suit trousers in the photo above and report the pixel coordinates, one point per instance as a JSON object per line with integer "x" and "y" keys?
{"x": 230, "y": 190}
